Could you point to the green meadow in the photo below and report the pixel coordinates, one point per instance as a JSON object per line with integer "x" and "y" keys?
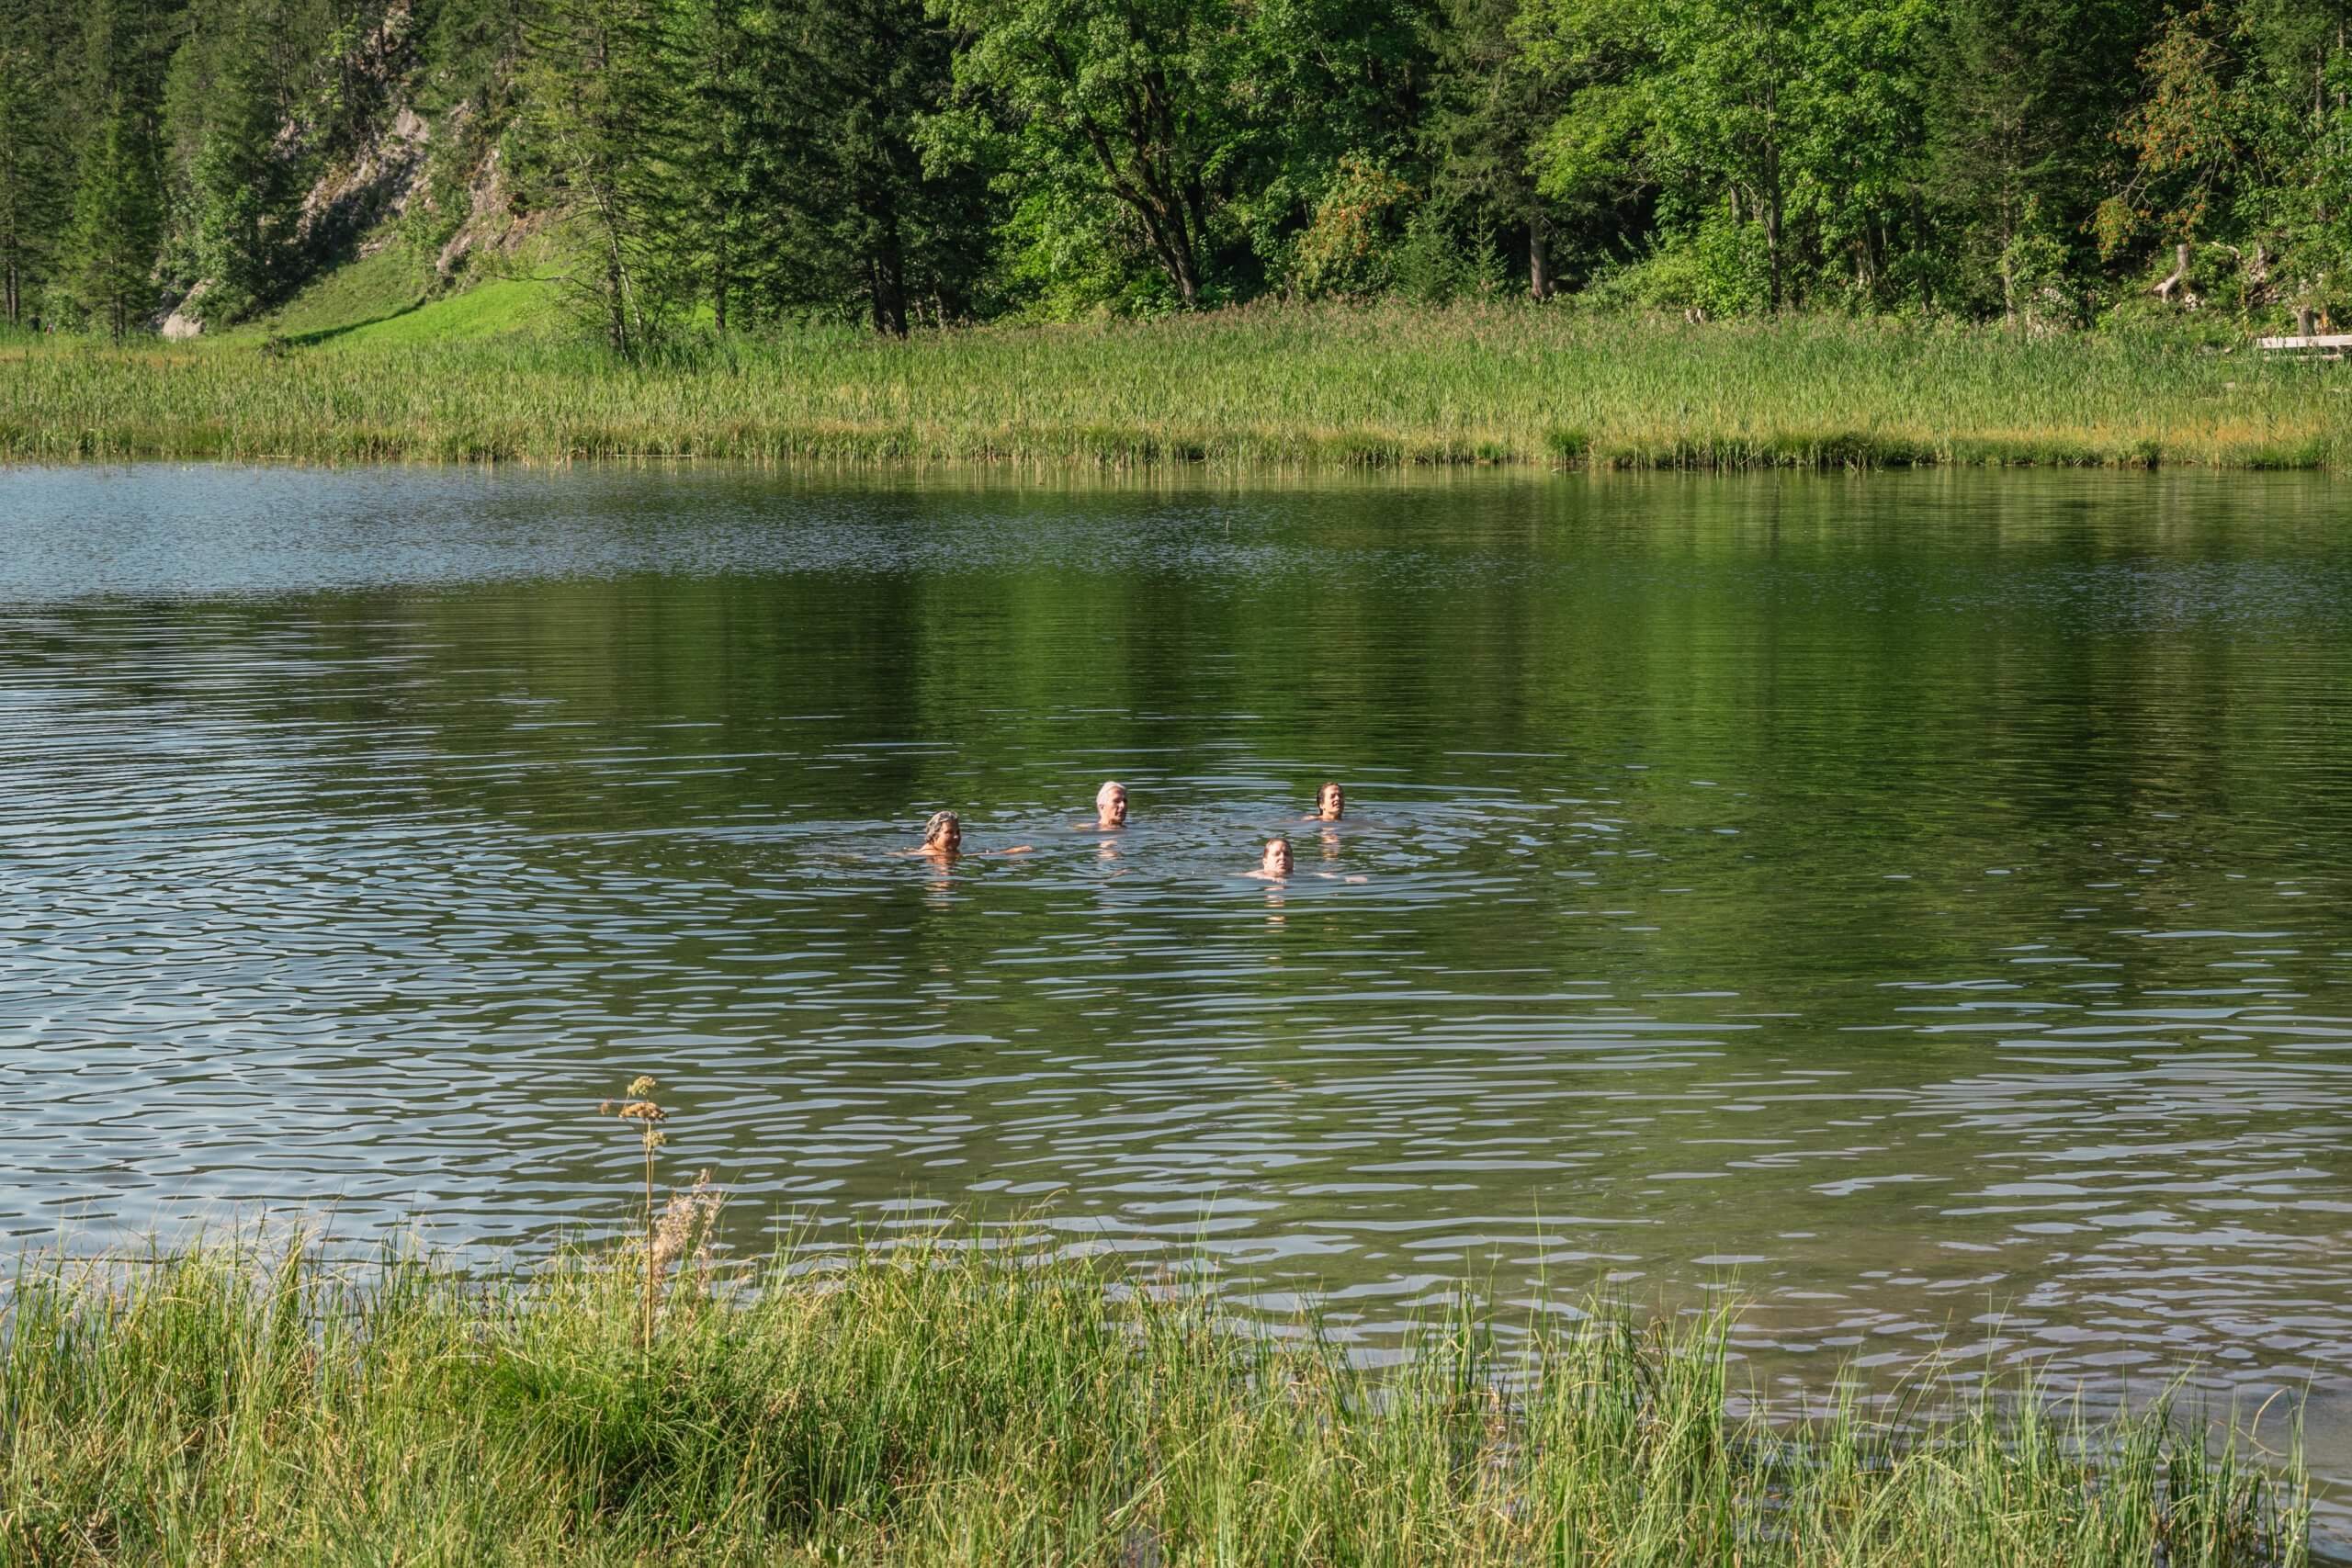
{"x": 950, "y": 1404}
{"x": 497, "y": 373}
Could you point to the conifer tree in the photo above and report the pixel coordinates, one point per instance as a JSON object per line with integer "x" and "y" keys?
{"x": 1487, "y": 105}
{"x": 2023, "y": 114}
{"x": 246, "y": 189}
{"x": 708, "y": 213}
{"x": 118, "y": 219}
{"x": 32, "y": 187}
{"x": 117, "y": 227}
{"x": 598, "y": 117}
{"x": 860, "y": 217}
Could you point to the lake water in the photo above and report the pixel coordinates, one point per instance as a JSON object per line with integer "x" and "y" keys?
{"x": 1917, "y": 903}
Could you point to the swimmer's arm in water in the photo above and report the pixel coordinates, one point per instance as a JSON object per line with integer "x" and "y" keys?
{"x": 963, "y": 854}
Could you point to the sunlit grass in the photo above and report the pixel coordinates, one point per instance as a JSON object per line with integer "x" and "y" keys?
{"x": 1262, "y": 387}
{"x": 949, "y": 1404}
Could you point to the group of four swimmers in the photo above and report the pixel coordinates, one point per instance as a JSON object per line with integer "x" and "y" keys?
{"x": 943, "y": 835}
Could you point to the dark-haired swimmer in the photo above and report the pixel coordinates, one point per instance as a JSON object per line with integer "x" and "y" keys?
{"x": 943, "y": 838}
{"x": 1331, "y": 804}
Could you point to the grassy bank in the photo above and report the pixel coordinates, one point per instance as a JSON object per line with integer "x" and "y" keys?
{"x": 947, "y": 1406}
{"x": 1307, "y": 387}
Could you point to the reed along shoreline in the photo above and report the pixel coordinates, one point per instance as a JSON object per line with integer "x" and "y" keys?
{"x": 1320, "y": 387}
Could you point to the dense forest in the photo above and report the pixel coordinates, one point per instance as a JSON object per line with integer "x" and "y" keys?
{"x": 729, "y": 164}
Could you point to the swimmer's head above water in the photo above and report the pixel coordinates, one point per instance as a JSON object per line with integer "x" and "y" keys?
{"x": 1330, "y": 803}
{"x": 1276, "y": 861}
{"x": 1111, "y": 804}
{"x": 943, "y": 834}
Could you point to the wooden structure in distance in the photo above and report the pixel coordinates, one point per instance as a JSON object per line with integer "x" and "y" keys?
{"x": 2329, "y": 346}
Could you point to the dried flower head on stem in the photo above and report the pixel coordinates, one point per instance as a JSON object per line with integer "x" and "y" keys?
{"x": 638, "y": 1106}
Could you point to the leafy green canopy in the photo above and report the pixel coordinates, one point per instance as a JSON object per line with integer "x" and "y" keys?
{"x": 712, "y": 166}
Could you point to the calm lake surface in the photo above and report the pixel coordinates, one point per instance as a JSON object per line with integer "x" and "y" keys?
{"x": 1917, "y": 902}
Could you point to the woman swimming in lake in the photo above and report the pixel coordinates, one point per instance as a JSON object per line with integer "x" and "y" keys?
{"x": 1331, "y": 804}
{"x": 943, "y": 838}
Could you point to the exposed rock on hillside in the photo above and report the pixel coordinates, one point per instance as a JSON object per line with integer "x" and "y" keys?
{"x": 491, "y": 223}
{"x": 186, "y": 322}
{"x": 377, "y": 186}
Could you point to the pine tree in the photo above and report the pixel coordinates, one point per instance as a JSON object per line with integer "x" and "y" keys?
{"x": 860, "y": 218}
{"x": 1487, "y": 105}
{"x": 599, "y": 110}
{"x": 116, "y": 230}
{"x": 118, "y": 219}
{"x": 247, "y": 195}
{"x": 32, "y": 178}
{"x": 709, "y": 211}
{"x": 2022, "y": 117}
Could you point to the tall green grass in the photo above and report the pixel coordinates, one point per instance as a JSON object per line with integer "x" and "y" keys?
{"x": 1296, "y": 387}
{"x": 952, "y": 1404}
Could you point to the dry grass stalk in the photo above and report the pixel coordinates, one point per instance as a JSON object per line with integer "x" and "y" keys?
{"x": 688, "y": 1224}
{"x": 639, "y": 1107}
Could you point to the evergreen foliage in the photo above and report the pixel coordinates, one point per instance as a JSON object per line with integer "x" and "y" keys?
{"x": 118, "y": 210}
{"x": 860, "y": 224}
{"x": 243, "y": 183}
{"x": 596, "y": 131}
{"x": 730, "y": 164}
{"x": 32, "y": 169}
{"x": 118, "y": 220}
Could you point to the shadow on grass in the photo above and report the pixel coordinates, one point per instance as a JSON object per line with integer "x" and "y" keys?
{"x": 328, "y": 334}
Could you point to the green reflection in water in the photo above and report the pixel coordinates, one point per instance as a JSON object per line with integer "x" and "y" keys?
{"x": 1905, "y": 897}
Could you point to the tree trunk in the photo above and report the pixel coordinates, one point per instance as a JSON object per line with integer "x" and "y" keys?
{"x": 1171, "y": 205}
{"x": 616, "y": 293}
{"x": 887, "y": 285}
{"x": 2179, "y": 274}
{"x": 1772, "y": 213}
{"x": 1539, "y": 265}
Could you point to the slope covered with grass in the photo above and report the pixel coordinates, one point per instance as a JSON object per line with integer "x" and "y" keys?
{"x": 392, "y": 296}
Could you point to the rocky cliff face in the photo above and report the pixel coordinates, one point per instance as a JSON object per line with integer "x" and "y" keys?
{"x": 347, "y": 205}
{"x": 388, "y": 169}
{"x": 492, "y": 226}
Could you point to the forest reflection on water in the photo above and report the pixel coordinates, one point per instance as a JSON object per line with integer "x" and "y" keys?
{"x": 1914, "y": 902}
